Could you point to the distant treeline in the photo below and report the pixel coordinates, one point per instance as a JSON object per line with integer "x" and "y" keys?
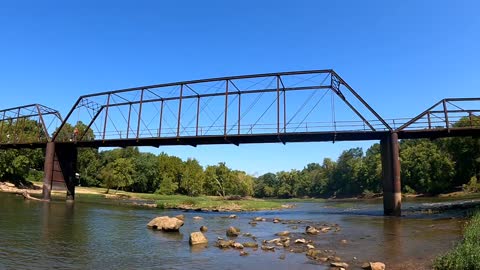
{"x": 430, "y": 167}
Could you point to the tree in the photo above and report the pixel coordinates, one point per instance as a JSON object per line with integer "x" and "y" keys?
{"x": 266, "y": 185}
{"x": 425, "y": 168}
{"x": 347, "y": 177}
{"x": 88, "y": 165}
{"x": 219, "y": 180}
{"x": 193, "y": 178}
{"x": 245, "y": 184}
{"x": 146, "y": 173}
{"x": 118, "y": 173}
{"x": 372, "y": 169}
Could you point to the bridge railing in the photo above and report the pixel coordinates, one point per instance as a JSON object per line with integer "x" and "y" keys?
{"x": 249, "y": 129}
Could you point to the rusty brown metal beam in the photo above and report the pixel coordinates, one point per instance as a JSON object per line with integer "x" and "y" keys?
{"x": 289, "y": 73}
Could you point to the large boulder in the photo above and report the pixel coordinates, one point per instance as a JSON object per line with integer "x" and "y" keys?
{"x": 165, "y": 223}
{"x": 197, "y": 238}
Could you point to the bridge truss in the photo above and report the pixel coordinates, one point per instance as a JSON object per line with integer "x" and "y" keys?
{"x": 28, "y": 125}
{"x": 315, "y": 105}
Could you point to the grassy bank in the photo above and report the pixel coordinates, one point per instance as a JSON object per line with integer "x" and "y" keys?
{"x": 466, "y": 255}
{"x": 173, "y": 201}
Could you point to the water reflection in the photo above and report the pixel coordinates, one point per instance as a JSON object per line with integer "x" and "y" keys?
{"x": 393, "y": 237}
{"x": 35, "y": 235}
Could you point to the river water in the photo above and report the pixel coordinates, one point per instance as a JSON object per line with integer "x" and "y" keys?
{"x": 95, "y": 235}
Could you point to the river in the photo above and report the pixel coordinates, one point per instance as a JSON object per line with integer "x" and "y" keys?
{"x": 95, "y": 235}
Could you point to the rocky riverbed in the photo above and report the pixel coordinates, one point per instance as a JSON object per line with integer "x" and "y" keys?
{"x": 308, "y": 242}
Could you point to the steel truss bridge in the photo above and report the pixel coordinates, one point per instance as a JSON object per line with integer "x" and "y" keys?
{"x": 283, "y": 107}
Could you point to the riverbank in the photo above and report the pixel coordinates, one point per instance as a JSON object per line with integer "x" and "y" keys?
{"x": 466, "y": 255}
{"x": 181, "y": 202}
{"x": 229, "y": 204}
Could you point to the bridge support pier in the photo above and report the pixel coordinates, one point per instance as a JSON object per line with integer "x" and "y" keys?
{"x": 392, "y": 192}
{"x": 60, "y": 167}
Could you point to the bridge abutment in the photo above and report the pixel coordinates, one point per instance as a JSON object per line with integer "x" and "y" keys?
{"x": 59, "y": 168}
{"x": 392, "y": 192}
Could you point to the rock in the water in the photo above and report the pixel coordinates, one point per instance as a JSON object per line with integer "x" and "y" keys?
{"x": 243, "y": 253}
{"x": 181, "y": 217}
{"x": 253, "y": 223}
{"x": 197, "y": 218}
{"x": 311, "y": 230}
{"x": 268, "y": 248}
{"x": 282, "y": 257}
{"x": 259, "y": 219}
{"x": 165, "y": 223}
{"x": 203, "y": 228}
{"x": 197, "y": 238}
{"x": 275, "y": 240}
{"x": 325, "y": 229}
{"x": 309, "y": 246}
{"x": 374, "y": 266}
{"x": 224, "y": 244}
{"x": 233, "y": 232}
{"x": 344, "y": 241}
{"x": 339, "y": 264}
{"x": 284, "y": 233}
{"x": 276, "y": 220}
{"x": 300, "y": 241}
{"x": 250, "y": 245}
{"x": 313, "y": 253}
{"x": 237, "y": 245}
{"x": 232, "y": 216}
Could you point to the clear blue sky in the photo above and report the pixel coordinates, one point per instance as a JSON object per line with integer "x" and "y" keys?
{"x": 401, "y": 56}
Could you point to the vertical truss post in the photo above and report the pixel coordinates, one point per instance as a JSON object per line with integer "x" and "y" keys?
{"x": 15, "y": 139}
{"x": 179, "y": 111}
{"x": 161, "y": 116}
{"x": 429, "y": 120}
{"x": 1, "y": 127}
{"x": 106, "y": 118}
{"x": 447, "y": 124}
{"x": 278, "y": 104}
{"x": 128, "y": 121}
{"x": 140, "y": 113}
{"x": 42, "y": 122}
{"x": 239, "y": 111}
{"x": 284, "y": 111}
{"x": 226, "y": 109}
{"x": 198, "y": 115}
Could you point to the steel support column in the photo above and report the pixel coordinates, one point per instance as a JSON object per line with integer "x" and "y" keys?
{"x": 392, "y": 193}
{"x": 48, "y": 170}
{"x": 60, "y": 167}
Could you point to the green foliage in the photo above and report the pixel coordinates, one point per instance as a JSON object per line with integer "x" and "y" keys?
{"x": 192, "y": 179}
{"x": 472, "y": 186}
{"x": 425, "y": 167}
{"x": 167, "y": 186}
{"x": 118, "y": 173}
{"x": 466, "y": 255}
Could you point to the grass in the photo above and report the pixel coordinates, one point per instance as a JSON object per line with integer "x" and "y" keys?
{"x": 466, "y": 255}
{"x": 98, "y": 195}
